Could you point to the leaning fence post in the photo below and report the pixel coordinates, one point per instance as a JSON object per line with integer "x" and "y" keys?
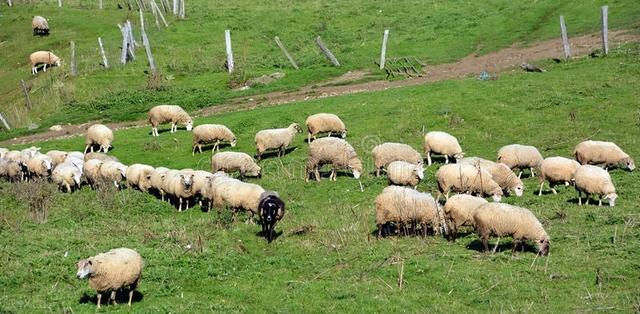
{"x": 383, "y": 51}
{"x": 9, "y": 2}
{"x": 327, "y": 52}
{"x": 74, "y": 65}
{"x": 145, "y": 43}
{"x": 175, "y": 7}
{"x": 125, "y": 43}
{"x": 26, "y": 94}
{"x": 100, "y": 4}
{"x": 227, "y": 42}
{"x": 4, "y": 122}
{"x": 105, "y": 62}
{"x": 286, "y": 52}
{"x": 605, "y": 29}
{"x": 565, "y": 38}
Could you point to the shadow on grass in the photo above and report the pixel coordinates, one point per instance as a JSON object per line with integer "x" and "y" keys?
{"x": 503, "y": 246}
{"x": 275, "y": 153}
{"x": 276, "y": 234}
{"x": 122, "y": 297}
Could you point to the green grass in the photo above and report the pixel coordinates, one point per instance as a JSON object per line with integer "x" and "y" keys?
{"x": 340, "y": 266}
{"x": 190, "y": 53}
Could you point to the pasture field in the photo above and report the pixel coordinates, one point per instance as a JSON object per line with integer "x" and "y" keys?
{"x": 201, "y": 261}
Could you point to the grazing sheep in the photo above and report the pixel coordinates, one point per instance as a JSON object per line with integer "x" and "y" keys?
{"x": 437, "y": 142}
{"x": 10, "y": 170}
{"x": 466, "y": 179}
{"x": 500, "y": 173}
{"x": 112, "y": 171}
{"x": 271, "y": 210}
{"x": 139, "y": 176}
{"x": 598, "y": 152}
{"x": 118, "y": 269}
{"x": 43, "y": 57}
{"x": 405, "y": 207}
{"x": 98, "y": 134}
{"x": 92, "y": 172}
{"x": 556, "y": 170}
{"x": 459, "y": 210}
{"x": 212, "y": 181}
{"x": 13, "y": 155}
{"x": 237, "y": 195}
{"x": 168, "y": 113}
{"x": 334, "y": 151}
{"x": 67, "y": 175}
{"x": 324, "y": 122}
{"x": 230, "y": 162}
{"x": 498, "y": 219}
{"x": 75, "y": 155}
{"x": 517, "y": 156}
{"x": 40, "y": 26}
{"x": 403, "y": 173}
{"x": 39, "y": 166}
{"x": 385, "y": 153}
{"x": 156, "y": 180}
{"x": 595, "y": 180}
{"x": 99, "y": 156}
{"x": 278, "y": 139}
{"x": 57, "y": 156}
{"x": 211, "y": 133}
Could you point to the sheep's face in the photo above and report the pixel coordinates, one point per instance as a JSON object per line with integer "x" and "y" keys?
{"x": 420, "y": 172}
{"x": 84, "y": 268}
{"x": 47, "y": 164}
{"x": 233, "y": 142}
{"x": 458, "y": 156}
{"x": 123, "y": 171}
{"x": 58, "y": 63}
{"x": 497, "y": 195}
{"x": 187, "y": 181}
{"x": 518, "y": 190}
{"x": 543, "y": 246}
{"x": 612, "y": 198}
{"x": 297, "y": 128}
{"x": 630, "y": 164}
{"x": 254, "y": 172}
{"x": 189, "y": 125}
{"x": 344, "y": 133}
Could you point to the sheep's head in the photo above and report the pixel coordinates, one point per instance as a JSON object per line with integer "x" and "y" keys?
{"x": 419, "y": 171}
{"x": 518, "y": 189}
{"x": 233, "y": 142}
{"x": 543, "y": 246}
{"x": 47, "y": 164}
{"x": 189, "y": 125}
{"x": 458, "y": 156}
{"x": 629, "y": 163}
{"x": 85, "y": 268}
{"x": 296, "y": 127}
{"x": 254, "y": 171}
{"x": 611, "y": 197}
{"x": 356, "y": 167}
{"x": 344, "y": 133}
{"x": 123, "y": 170}
{"x": 187, "y": 181}
{"x": 76, "y": 177}
{"x": 497, "y": 195}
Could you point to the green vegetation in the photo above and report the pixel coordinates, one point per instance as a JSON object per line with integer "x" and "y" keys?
{"x": 339, "y": 265}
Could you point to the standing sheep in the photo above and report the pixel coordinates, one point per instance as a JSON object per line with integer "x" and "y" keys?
{"x": 466, "y": 179}
{"x": 236, "y": 194}
{"x": 386, "y": 153}
{"x": 211, "y": 133}
{"x": 556, "y": 170}
{"x": 500, "y": 173}
{"x": 595, "y": 180}
{"x": 45, "y": 58}
{"x": 230, "y": 162}
{"x": 92, "y": 172}
{"x": 39, "y": 166}
{"x": 67, "y": 175}
{"x": 324, "y": 122}
{"x": 271, "y": 210}
{"x": 201, "y": 181}
{"x": 40, "y": 26}
{"x": 139, "y": 176}
{"x": 57, "y": 156}
{"x": 459, "y": 210}
{"x": 598, "y": 152}
{"x": 98, "y": 134}
{"x": 156, "y": 180}
{"x": 168, "y": 113}
{"x": 335, "y": 152}
{"x": 278, "y": 139}
{"x": 517, "y": 156}
{"x": 498, "y": 219}
{"x": 403, "y": 173}
{"x": 180, "y": 186}
{"x": 437, "y": 142}
{"x": 112, "y": 171}
{"x": 406, "y": 208}
{"x": 118, "y": 269}
{"x": 10, "y": 170}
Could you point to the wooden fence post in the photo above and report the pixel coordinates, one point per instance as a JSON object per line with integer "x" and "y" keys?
{"x": 26, "y": 94}
{"x": 227, "y": 42}
{"x": 182, "y": 10}
{"x": 100, "y": 4}
{"x": 145, "y": 43}
{"x": 565, "y": 38}
{"x": 383, "y": 52}
{"x": 125, "y": 43}
{"x": 175, "y": 7}
{"x": 74, "y": 65}
{"x": 4, "y": 122}
{"x": 327, "y": 52}
{"x": 156, "y": 9}
{"x": 59, "y": 3}
{"x": 286, "y": 53}
{"x": 105, "y": 62}
{"x": 155, "y": 14}
{"x": 605, "y": 29}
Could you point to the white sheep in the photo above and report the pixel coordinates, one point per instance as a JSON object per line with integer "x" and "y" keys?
{"x": 335, "y": 152}
{"x": 517, "y": 156}
{"x": 98, "y": 134}
{"x": 386, "y": 153}
{"x": 39, "y": 166}
{"x": 406, "y": 208}
{"x": 595, "y": 180}
{"x": 10, "y": 170}
{"x": 230, "y": 162}
{"x": 168, "y": 113}
{"x": 180, "y": 186}
{"x": 201, "y": 184}
{"x": 75, "y": 155}
{"x": 112, "y": 171}
{"x": 57, "y": 156}
{"x": 117, "y": 269}
{"x": 466, "y": 179}
{"x": 500, "y": 173}
{"x": 236, "y": 195}
{"x": 40, "y": 26}
{"x": 498, "y": 219}
{"x": 403, "y": 173}
{"x": 556, "y": 170}
{"x": 211, "y": 133}
{"x": 99, "y": 156}
{"x": 459, "y": 210}
{"x": 598, "y": 152}
{"x": 437, "y": 142}
{"x": 43, "y": 57}
{"x": 139, "y": 176}
{"x": 67, "y": 175}
{"x": 324, "y": 122}
{"x": 92, "y": 172}
{"x": 276, "y": 139}
{"x": 156, "y": 180}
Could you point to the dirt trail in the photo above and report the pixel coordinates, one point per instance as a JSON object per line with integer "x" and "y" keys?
{"x": 494, "y": 62}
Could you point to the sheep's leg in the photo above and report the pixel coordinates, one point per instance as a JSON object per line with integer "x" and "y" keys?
{"x": 91, "y": 148}
{"x": 446, "y": 197}
{"x": 68, "y": 187}
{"x": 495, "y": 248}
{"x": 130, "y": 296}
{"x": 187, "y": 204}
{"x": 316, "y": 172}
{"x": 308, "y": 137}
{"x": 446, "y": 159}
{"x": 200, "y": 148}
{"x": 428, "y": 158}
{"x": 579, "y": 198}
{"x": 377, "y": 172}
{"x": 540, "y": 192}
{"x": 45, "y": 67}
{"x": 99, "y": 298}
{"x": 515, "y": 246}
{"x": 600, "y": 201}
{"x": 113, "y": 297}
{"x": 485, "y": 243}
{"x": 193, "y": 150}
{"x": 533, "y": 174}
{"x": 554, "y": 191}
{"x": 180, "y": 206}
{"x": 34, "y": 70}
{"x": 105, "y": 149}
{"x": 519, "y": 174}
{"x": 87, "y": 148}
{"x": 587, "y": 201}
{"x": 334, "y": 174}
{"x": 379, "y": 231}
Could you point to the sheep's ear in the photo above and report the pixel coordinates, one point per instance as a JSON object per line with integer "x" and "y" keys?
{"x": 89, "y": 262}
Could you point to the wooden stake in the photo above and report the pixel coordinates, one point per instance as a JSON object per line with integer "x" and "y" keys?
{"x": 4, "y": 122}
{"x": 100, "y": 4}
{"x": 182, "y": 9}
{"x": 175, "y": 7}
{"x": 145, "y": 43}
{"x": 565, "y": 38}
{"x": 155, "y": 14}
{"x": 105, "y": 62}
{"x": 605, "y": 29}
{"x": 26, "y": 94}
{"x": 132, "y": 41}
{"x": 59, "y": 3}
{"x": 227, "y": 41}
{"x": 155, "y": 7}
{"x": 125, "y": 43}
{"x": 74, "y": 65}
{"x": 286, "y": 53}
{"x": 327, "y": 52}
{"x": 383, "y": 52}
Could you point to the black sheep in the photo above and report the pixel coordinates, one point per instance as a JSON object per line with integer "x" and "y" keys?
{"x": 271, "y": 209}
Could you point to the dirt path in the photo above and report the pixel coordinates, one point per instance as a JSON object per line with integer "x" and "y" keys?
{"x": 499, "y": 61}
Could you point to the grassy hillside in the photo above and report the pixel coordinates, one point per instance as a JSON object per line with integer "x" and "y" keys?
{"x": 190, "y": 53}
{"x": 198, "y": 261}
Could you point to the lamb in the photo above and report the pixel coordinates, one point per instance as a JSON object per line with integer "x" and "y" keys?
{"x": 211, "y": 133}
{"x": 405, "y": 207}
{"x": 168, "y": 113}
{"x": 92, "y": 172}
{"x": 459, "y": 210}
{"x": 466, "y": 178}
{"x": 98, "y": 134}
{"x": 179, "y": 185}
{"x": 43, "y": 57}
{"x": 324, "y": 122}
{"x": 595, "y": 180}
{"x": 271, "y": 210}
{"x": 40, "y": 26}
{"x": 139, "y": 176}
{"x": 385, "y": 153}
{"x": 39, "y": 165}
{"x": 57, "y": 156}
{"x": 520, "y": 157}
{"x": 112, "y": 171}
{"x": 10, "y": 170}
{"x": 336, "y": 152}
{"x": 442, "y": 143}
{"x": 230, "y": 162}
{"x": 555, "y": 170}
{"x": 99, "y": 156}
{"x": 403, "y": 173}
{"x": 115, "y": 270}
{"x": 498, "y": 219}
{"x": 67, "y": 175}
{"x": 598, "y": 152}
{"x": 236, "y": 194}
{"x": 278, "y": 139}
{"x": 500, "y": 173}
{"x": 156, "y": 180}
